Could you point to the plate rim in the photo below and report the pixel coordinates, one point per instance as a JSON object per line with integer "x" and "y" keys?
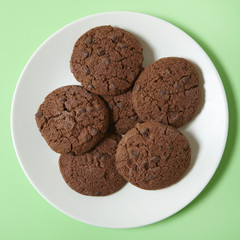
{"x": 226, "y": 128}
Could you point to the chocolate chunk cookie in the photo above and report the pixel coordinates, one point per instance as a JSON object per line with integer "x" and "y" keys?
{"x": 93, "y": 173}
{"x": 106, "y": 60}
{"x": 153, "y": 155}
{"x": 72, "y": 120}
{"x": 167, "y": 91}
{"x": 122, "y": 114}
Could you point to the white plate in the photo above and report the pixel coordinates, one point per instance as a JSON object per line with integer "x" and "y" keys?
{"x": 48, "y": 69}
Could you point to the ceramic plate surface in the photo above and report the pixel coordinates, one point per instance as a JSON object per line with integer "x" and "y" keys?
{"x": 48, "y": 69}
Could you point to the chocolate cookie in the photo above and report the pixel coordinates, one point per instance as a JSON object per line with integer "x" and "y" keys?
{"x": 153, "y": 155}
{"x": 122, "y": 114}
{"x": 93, "y": 173}
{"x": 167, "y": 91}
{"x": 106, "y": 60}
{"x": 72, "y": 120}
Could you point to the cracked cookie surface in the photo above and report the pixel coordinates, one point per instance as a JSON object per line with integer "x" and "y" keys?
{"x": 93, "y": 173}
{"x": 122, "y": 115}
{"x": 153, "y": 155}
{"x": 106, "y": 60}
{"x": 167, "y": 91}
{"x": 72, "y": 120}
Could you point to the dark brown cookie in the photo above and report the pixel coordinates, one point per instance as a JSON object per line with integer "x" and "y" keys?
{"x": 106, "y": 60}
{"x": 122, "y": 114}
{"x": 72, "y": 120}
{"x": 153, "y": 155}
{"x": 167, "y": 91}
{"x": 93, "y": 173}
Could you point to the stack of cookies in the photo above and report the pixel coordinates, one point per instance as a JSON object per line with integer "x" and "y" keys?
{"x": 121, "y": 124}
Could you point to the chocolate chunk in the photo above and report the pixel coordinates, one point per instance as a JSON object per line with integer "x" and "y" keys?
{"x": 85, "y": 53}
{"x": 176, "y": 86}
{"x": 100, "y": 52}
{"x": 105, "y": 175}
{"x": 85, "y": 139}
{"x": 146, "y": 166}
{"x": 162, "y": 92}
{"x": 81, "y": 110}
{"x": 90, "y": 86}
{"x": 112, "y": 86}
{"x": 166, "y": 155}
{"x": 151, "y": 176}
{"x": 39, "y": 114}
{"x": 134, "y": 117}
{"x": 110, "y": 106}
{"x": 144, "y": 131}
{"x": 96, "y": 156}
{"x": 99, "y": 107}
{"x": 174, "y": 116}
{"x": 90, "y": 109}
{"x": 86, "y": 70}
{"x": 94, "y": 131}
{"x": 123, "y": 45}
{"x": 185, "y": 79}
{"x": 136, "y": 168}
{"x": 133, "y": 75}
{"x": 185, "y": 147}
{"x": 155, "y": 159}
{"x": 138, "y": 87}
{"x": 88, "y": 40}
{"x": 120, "y": 104}
{"x": 129, "y": 163}
{"x": 107, "y": 61}
{"x": 114, "y": 38}
{"x": 170, "y": 146}
{"x": 135, "y": 153}
{"x": 159, "y": 119}
{"x": 104, "y": 157}
{"x": 185, "y": 67}
{"x": 62, "y": 99}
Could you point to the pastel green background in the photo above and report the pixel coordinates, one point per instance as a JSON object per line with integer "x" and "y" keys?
{"x": 214, "y": 214}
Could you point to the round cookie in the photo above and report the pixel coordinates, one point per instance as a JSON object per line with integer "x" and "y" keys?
{"x": 167, "y": 91}
{"x": 153, "y": 155}
{"x": 122, "y": 115}
{"x": 72, "y": 120}
{"x": 93, "y": 173}
{"x": 106, "y": 60}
